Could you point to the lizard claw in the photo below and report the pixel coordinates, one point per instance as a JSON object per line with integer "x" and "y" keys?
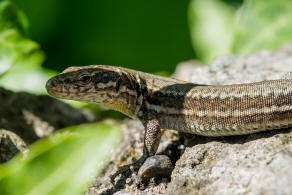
{"x": 121, "y": 170}
{"x": 131, "y": 167}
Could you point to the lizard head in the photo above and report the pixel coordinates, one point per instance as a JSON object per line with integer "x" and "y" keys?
{"x": 106, "y": 85}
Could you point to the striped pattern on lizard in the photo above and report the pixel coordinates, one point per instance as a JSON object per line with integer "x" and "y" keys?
{"x": 167, "y": 103}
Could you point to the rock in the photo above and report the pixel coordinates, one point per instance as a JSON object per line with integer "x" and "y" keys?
{"x": 257, "y": 164}
{"x": 10, "y": 145}
{"x": 251, "y": 164}
{"x": 232, "y": 69}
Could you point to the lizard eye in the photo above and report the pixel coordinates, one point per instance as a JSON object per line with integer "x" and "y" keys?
{"x": 84, "y": 79}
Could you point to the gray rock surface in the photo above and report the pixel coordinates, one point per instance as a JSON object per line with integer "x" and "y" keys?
{"x": 255, "y": 164}
{"x": 252, "y": 164}
{"x": 10, "y": 145}
{"x": 232, "y": 69}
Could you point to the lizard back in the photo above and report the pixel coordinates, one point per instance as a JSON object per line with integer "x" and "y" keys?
{"x": 223, "y": 110}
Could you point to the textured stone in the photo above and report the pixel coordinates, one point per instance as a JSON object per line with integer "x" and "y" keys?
{"x": 10, "y": 145}
{"x": 258, "y": 164}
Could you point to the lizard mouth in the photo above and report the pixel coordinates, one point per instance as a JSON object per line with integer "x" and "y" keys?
{"x": 55, "y": 89}
{"x": 61, "y": 90}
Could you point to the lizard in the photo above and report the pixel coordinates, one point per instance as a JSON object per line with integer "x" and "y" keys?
{"x": 168, "y": 103}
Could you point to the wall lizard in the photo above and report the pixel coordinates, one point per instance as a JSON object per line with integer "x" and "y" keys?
{"x": 167, "y": 103}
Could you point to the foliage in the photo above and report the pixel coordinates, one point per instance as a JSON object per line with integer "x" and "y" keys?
{"x": 211, "y": 28}
{"x": 262, "y": 25}
{"x": 218, "y": 29}
{"x": 20, "y": 58}
{"x": 64, "y": 163}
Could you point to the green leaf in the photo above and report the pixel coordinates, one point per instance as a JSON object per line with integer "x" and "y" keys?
{"x": 211, "y": 27}
{"x": 12, "y": 42}
{"x": 263, "y": 25}
{"x": 65, "y": 163}
{"x": 20, "y": 58}
{"x": 11, "y": 17}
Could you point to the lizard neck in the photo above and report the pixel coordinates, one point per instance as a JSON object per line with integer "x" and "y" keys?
{"x": 129, "y": 96}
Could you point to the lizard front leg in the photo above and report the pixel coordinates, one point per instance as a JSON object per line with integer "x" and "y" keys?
{"x": 152, "y": 136}
{"x": 151, "y": 142}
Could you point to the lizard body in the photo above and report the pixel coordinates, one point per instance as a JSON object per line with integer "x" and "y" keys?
{"x": 167, "y": 103}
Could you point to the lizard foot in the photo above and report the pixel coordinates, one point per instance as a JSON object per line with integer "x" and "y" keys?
{"x": 155, "y": 166}
{"x": 154, "y": 169}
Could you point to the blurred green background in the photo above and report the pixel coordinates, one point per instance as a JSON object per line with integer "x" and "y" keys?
{"x": 147, "y": 35}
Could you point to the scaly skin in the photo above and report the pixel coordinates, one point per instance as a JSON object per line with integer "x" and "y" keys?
{"x": 167, "y": 103}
